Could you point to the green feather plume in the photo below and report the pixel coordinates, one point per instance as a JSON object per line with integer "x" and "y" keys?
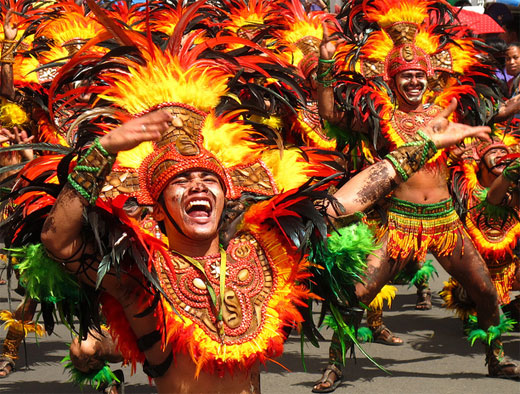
{"x": 96, "y": 379}
{"x": 493, "y": 332}
{"x": 43, "y": 278}
{"x": 344, "y": 262}
{"x": 424, "y": 274}
{"x": 350, "y": 247}
{"x": 364, "y": 334}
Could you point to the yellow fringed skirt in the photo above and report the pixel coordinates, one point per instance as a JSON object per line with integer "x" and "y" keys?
{"x": 418, "y": 228}
{"x": 503, "y": 276}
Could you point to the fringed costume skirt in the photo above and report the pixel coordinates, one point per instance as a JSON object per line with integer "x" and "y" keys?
{"x": 415, "y": 229}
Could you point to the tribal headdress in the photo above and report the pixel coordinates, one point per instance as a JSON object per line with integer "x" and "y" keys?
{"x": 390, "y": 36}
{"x": 296, "y": 41}
{"x": 198, "y": 138}
{"x": 55, "y": 32}
{"x": 58, "y": 31}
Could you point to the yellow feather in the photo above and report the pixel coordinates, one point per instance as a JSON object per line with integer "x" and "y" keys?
{"x": 387, "y": 293}
{"x": 163, "y": 80}
{"x": 387, "y": 12}
{"x": 70, "y": 27}
{"x": 133, "y": 158}
{"x": 289, "y": 171}
{"x": 10, "y": 322}
{"x": 426, "y": 42}
{"x": 23, "y": 69}
{"x": 228, "y": 141}
{"x": 12, "y": 115}
{"x": 378, "y": 46}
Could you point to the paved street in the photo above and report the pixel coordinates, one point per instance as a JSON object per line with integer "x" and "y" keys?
{"x": 436, "y": 358}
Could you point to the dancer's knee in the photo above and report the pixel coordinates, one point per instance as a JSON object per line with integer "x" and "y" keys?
{"x": 84, "y": 355}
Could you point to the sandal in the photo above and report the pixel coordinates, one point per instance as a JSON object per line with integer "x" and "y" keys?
{"x": 500, "y": 366}
{"x": 330, "y": 380}
{"x": 424, "y": 299}
{"x": 383, "y": 335}
{"x": 6, "y": 366}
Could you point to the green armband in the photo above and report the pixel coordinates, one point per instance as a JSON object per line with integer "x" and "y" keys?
{"x": 90, "y": 173}
{"x": 324, "y": 74}
{"x": 412, "y": 156}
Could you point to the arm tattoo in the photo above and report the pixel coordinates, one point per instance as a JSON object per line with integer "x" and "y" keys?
{"x": 378, "y": 184}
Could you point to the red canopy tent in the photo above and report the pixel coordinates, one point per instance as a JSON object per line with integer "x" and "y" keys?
{"x": 479, "y": 23}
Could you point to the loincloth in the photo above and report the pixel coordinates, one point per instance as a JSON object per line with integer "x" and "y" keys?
{"x": 503, "y": 276}
{"x": 415, "y": 229}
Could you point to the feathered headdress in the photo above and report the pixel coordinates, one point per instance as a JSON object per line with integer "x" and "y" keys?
{"x": 198, "y": 136}
{"x": 248, "y": 19}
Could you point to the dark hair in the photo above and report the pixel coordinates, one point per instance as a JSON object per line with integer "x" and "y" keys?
{"x": 497, "y": 48}
{"x": 514, "y": 44}
{"x": 498, "y": 44}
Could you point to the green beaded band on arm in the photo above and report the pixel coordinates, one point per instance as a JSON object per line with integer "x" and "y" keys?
{"x": 324, "y": 75}
{"x": 413, "y": 155}
{"x": 429, "y": 144}
{"x": 98, "y": 145}
{"x": 397, "y": 167}
{"x": 326, "y": 83}
{"x": 90, "y": 172}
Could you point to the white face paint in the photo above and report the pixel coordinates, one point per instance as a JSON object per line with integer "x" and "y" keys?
{"x": 411, "y": 86}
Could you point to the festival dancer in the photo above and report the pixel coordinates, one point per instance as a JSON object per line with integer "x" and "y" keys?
{"x": 485, "y": 184}
{"x": 392, "y": 77}
{"x": 38, "y": 38}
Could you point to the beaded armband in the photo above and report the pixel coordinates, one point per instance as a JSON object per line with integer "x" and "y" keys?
{"x": 324, "y": 74}
{"x": 412, "y": 156}
{"x": 90, "y": 173}
{"x": 512, "y": 171}
{"x": 8, "y": 51}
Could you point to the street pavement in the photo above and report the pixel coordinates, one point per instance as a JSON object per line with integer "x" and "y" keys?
{"x": 436, "y": 358}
